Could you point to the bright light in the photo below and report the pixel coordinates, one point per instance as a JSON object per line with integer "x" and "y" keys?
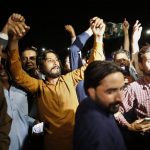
{"x": 43, "y": 49}
{"x": 148, "y": 31}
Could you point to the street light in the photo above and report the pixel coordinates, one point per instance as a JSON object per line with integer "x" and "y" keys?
{"x": 43, "y": 49}
{"x": 148, "y": 31}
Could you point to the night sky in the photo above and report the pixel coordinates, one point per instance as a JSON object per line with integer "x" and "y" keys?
{"x": 47, "y": 20}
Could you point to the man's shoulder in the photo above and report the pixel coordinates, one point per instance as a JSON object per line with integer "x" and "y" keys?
{"x": 88, "y": 109}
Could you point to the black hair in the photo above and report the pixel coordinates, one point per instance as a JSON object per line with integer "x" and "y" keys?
{"x": 97, "y": 71}
{"x": 31, "y": 48}
{"x": 42, "y": 56}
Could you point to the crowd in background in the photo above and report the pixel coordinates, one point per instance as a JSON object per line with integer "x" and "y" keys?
{"x": 80, "y": 100}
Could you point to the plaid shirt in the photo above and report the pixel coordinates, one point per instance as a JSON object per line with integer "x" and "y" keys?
{"x": 136, "y": 96}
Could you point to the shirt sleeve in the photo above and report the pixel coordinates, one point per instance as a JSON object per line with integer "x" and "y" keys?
{"x": 96, "y": 53}
{"x": 78, "y": 74}
{"x": 75, "y": 50}
{"x": 19, "y": 75}
{"x": 126, "y": 105}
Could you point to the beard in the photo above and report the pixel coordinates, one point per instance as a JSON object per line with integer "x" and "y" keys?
{"x": 111, "y": 108}
{"x": 52, "y": 74}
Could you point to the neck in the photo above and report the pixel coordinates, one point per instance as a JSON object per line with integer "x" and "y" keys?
{"x": 52, "y": 80}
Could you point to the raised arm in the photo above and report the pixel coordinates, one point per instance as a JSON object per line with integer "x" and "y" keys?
{"x": 69, "y": 28}
{"x": 76, "y": 49}
{"x": 136, "y": 35}
{"x": 125, "y": 26}
{"x": 98, "y": 28}
{"x": 18, "y": 30}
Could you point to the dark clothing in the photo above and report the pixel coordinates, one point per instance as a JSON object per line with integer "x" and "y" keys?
{"x": 136, "y": 140}
{"x": 76, "y": 61}
{"x": 96, "y": 129}
{"x": 5, "y": 122}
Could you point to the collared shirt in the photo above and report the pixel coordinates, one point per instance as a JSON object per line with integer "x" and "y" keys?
{"x": 136, "y": 97}
{"x": 17, "y": 108}
{"x": 56, "y": 103}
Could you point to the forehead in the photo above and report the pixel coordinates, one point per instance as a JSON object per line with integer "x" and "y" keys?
{"x": 114, "y": 80}
{"x": 51, "y": 55}
{"x": 27, "y": 53}
{"x": 121, "y": 56}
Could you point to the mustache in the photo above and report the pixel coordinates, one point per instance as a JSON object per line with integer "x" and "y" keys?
{"x": 55, "y": 67}
{"x": 29, "y": 63}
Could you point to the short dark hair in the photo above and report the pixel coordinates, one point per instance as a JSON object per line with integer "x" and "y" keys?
{"x": 143, "y": 50}
{"x": 97, "y": 71}
{"x": 120, "y": 51}
{"x": 31, "y": 48}
{"x": 42, "y": 56}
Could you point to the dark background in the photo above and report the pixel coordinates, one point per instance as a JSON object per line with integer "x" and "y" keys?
{"x": 47, "y": 19}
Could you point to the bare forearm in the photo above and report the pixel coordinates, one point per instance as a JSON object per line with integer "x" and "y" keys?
{"x": 126, "y": 41}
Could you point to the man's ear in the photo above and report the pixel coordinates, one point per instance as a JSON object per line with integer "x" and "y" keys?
{"x": 91, "y": 92}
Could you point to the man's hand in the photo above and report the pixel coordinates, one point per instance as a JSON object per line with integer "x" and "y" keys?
{"x": 137, "y": 29}
{"x": 97, "y": 26}
{"x": 125, "y": 25}
{"x": 16, "y": 27}
{"x": 139, "y": 126}
{"x": 70, "y": 30}
{"x": 13, "y": 18}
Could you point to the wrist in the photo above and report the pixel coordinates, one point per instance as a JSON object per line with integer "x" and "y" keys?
{"x": 99, "y": 38}
{"x": 89, "y": 31}
{"x": 126, "y": 32}
{"x": 5, "y": 29}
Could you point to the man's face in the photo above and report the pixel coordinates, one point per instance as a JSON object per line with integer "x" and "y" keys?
{"x": 29, "y": 60}
{"x": 3, "y": 74}
{"x": 108, "y": 93}
{"x": 51, "y": 66}
{"x": 145, "y": 65}
{"x": 122, "y": 59}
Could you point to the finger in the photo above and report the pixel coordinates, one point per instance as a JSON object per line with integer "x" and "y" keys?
{"x": 93, "y": 20}
{"x": 98, "y": 22}
{"x": 137, "y": 21}
{"x": 140, "y": 29}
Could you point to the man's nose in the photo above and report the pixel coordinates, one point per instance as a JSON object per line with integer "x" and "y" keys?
{"x": 119, "y": 96}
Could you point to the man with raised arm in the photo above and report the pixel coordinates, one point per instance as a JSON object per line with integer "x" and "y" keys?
{"x": 57, "y": 100}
